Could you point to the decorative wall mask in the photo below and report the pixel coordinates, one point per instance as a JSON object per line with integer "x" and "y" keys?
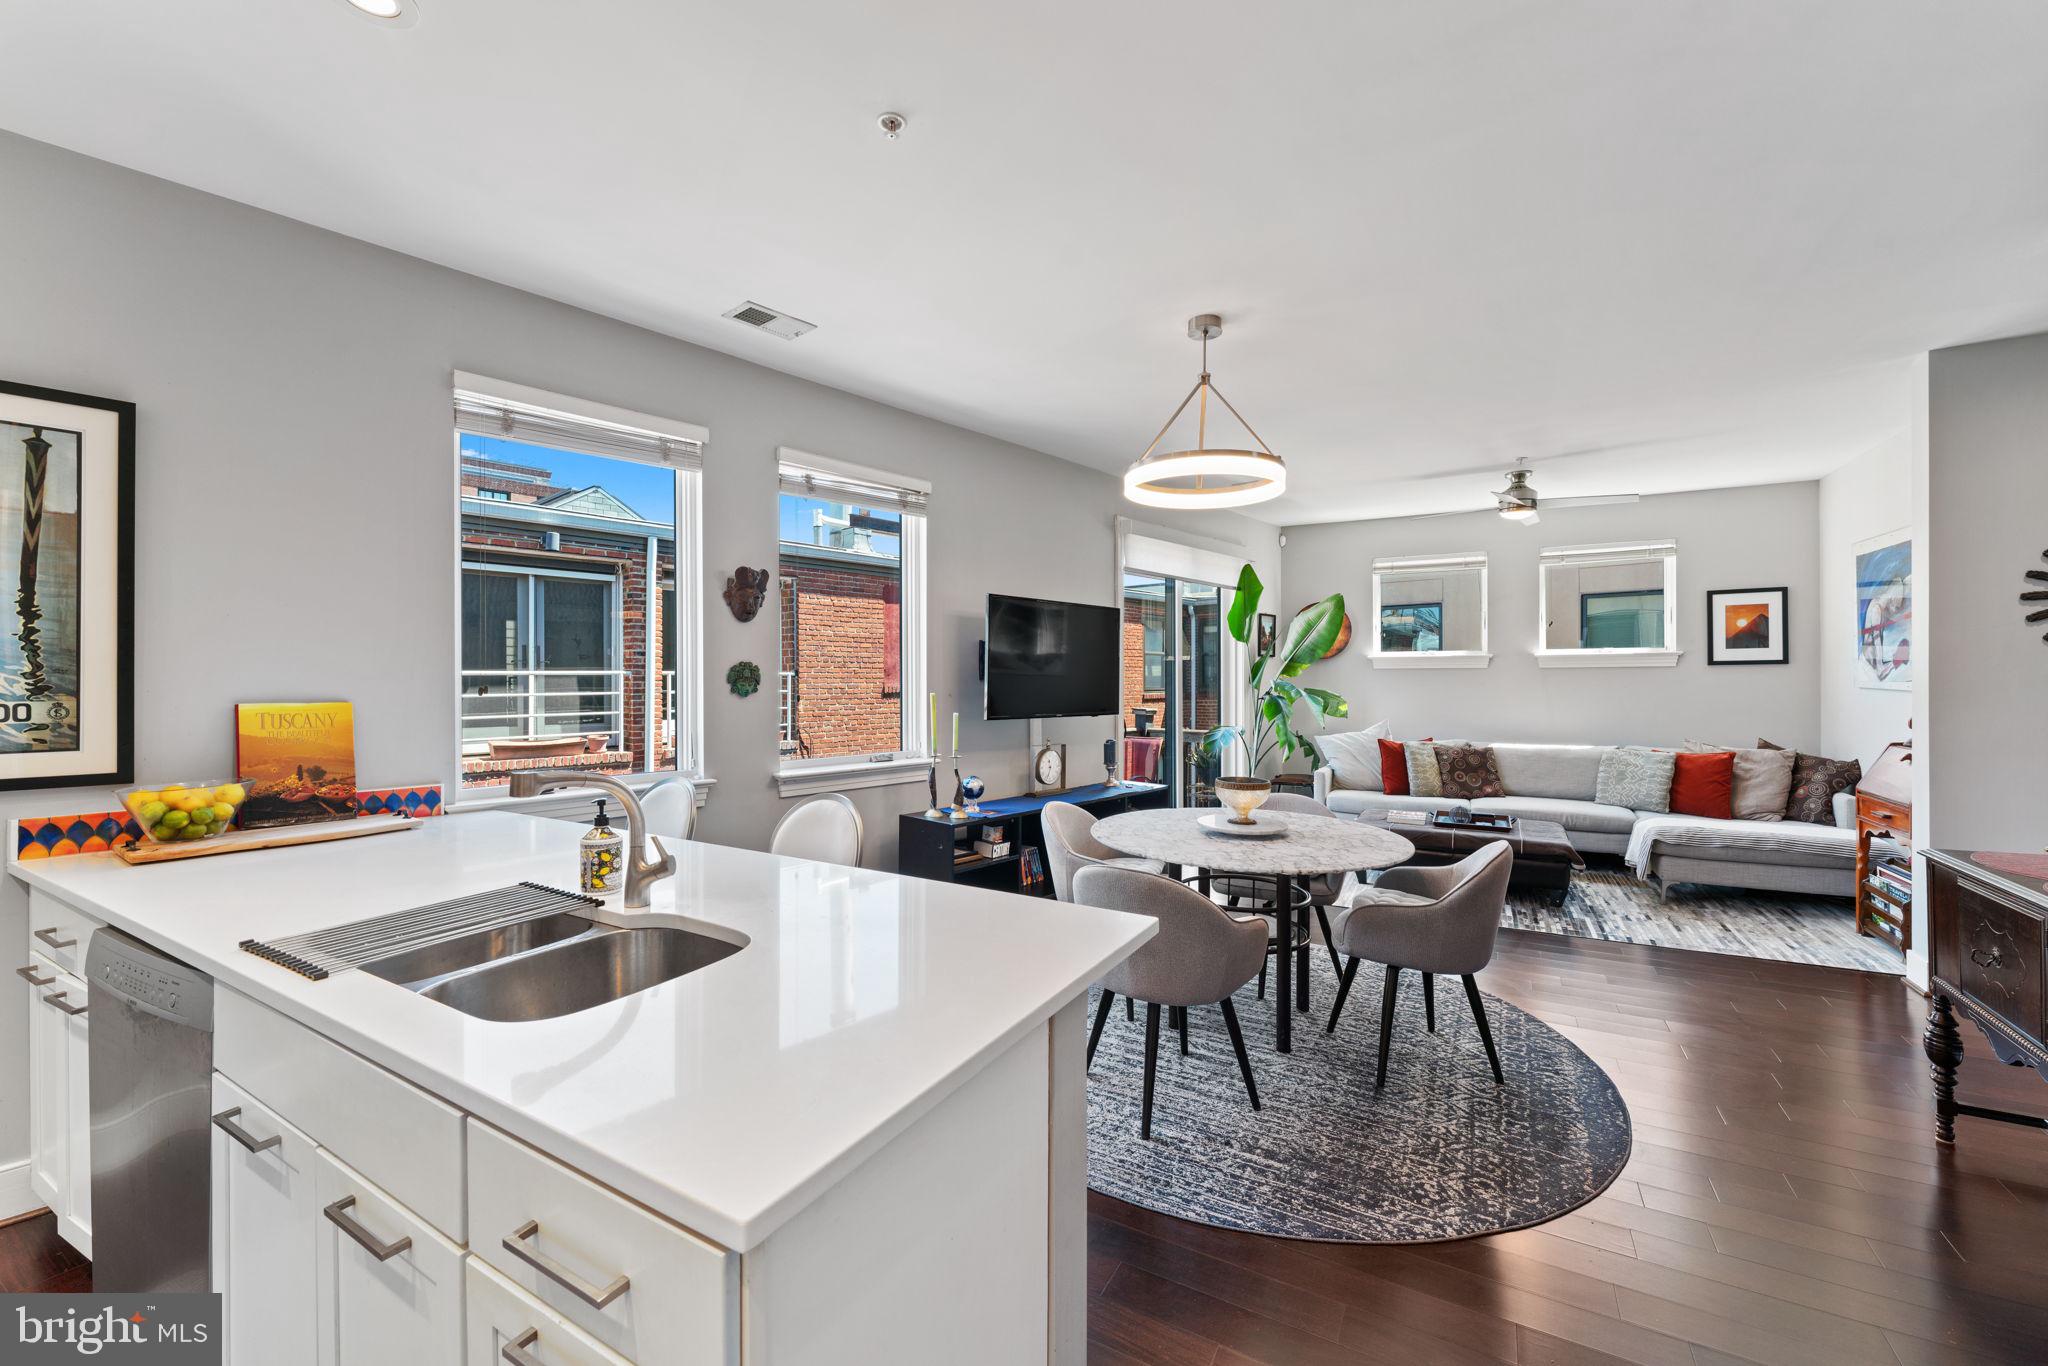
{"x": 745, "y": 590}
{"x": 744, "y": 678}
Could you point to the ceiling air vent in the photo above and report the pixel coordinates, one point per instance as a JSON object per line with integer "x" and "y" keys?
{"x": 769, "y": 321}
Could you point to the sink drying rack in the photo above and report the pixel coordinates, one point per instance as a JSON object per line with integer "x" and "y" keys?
{"x": 322, "y": 953}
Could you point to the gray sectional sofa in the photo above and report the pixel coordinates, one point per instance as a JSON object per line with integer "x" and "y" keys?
{"x": 1557, "y": 782}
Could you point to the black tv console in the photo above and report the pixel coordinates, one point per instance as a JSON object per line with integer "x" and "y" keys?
{"x": 928, "y": 848}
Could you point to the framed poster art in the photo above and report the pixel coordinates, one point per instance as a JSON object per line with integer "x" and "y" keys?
{"x": 1747, "y": 626}
{"x": 1884, "y": 612}
{"x": 67, "y": 578}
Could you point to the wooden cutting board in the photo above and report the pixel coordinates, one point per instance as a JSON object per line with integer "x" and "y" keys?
{"x": 241, "y": 841}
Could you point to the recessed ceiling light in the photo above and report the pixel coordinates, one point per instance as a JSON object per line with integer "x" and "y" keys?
{"x": 392, "y": 13}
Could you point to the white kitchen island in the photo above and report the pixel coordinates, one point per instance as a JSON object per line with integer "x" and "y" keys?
{"x": 858, "y": 1139}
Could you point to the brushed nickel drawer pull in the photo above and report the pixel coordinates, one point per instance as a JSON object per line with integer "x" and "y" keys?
{"x": 28, "y": 974}
{"x": 383, "y": 1252}
{"x": 515, "y": 1353}
{"x": 225, "y": 1122}
{"x": 597, "y": 1297}
{"x": 49, "y": 937}
{"x": 58, "y": 1000}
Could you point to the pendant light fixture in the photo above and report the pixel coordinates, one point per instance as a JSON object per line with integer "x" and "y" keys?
{"x": 1205, "y": 477}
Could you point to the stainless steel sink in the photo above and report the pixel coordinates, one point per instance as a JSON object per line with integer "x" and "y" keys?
{"x": 556, "y": 965}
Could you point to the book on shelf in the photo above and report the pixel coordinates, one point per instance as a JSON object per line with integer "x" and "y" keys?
{"x": 992, "y": 848}
{"x": 1030, "y": 870}
{"x": 1408, "y": 817}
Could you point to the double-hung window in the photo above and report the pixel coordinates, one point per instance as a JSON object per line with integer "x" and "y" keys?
{"x": 851, "y": 694}
{"x": 1429, "y": 612}
{"x": 579, "y": 571}
{"x": 1610, "y": 604}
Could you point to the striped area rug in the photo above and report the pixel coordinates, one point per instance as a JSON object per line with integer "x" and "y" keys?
{"x": 1611, "y": 903}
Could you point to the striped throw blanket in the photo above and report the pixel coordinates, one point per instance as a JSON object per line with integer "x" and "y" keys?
{"x": 1704, "y": 832}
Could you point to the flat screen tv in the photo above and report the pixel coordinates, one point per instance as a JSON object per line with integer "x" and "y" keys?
{"x": 1050, "y": 659}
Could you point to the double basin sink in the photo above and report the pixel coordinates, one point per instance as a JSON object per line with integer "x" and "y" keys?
{"x": 547, "y": 967}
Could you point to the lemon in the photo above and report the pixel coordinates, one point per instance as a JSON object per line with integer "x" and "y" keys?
{"x": 177, "y": 820}
{"x": 188, "y": 802}
{"x": 164, "y": 832}
{"x": 192, "y": 832}
{"x": 138, "y": 800}
{"x": 234, "y": 794}
{"x": 172, "y": 791}
{"x": 223, "y": 812}
{"x": 150, "y": 812}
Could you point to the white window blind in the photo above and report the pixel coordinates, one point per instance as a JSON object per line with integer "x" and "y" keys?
{"x": 1388, "y": 563}
{"x": 812, "y": 477}
{"x": 488, "y": 415}
{"x": 1587, "y": 556}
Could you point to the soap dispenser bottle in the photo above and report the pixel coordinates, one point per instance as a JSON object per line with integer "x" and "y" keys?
{"x": 602, "y": 872}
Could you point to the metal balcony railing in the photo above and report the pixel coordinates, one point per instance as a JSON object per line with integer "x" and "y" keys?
{"x": 530, "y": 704}
{"x": 788, "y": 714}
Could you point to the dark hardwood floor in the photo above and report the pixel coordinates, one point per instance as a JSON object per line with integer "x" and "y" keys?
{"x": 1785, "y": 1202}
{"x": 34, "y": 1260}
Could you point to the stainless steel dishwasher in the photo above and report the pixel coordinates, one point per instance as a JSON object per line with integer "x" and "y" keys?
{"x": 151, "y": 1077}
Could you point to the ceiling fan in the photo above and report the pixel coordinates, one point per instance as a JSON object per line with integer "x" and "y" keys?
{"x": 1519, "y": 501}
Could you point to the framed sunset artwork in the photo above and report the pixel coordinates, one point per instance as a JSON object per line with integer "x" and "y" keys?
{"x": 1747, "y": 626}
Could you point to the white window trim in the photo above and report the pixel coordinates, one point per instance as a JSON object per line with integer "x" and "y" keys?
{"x": 690, "y": 750}
{"x": 843, "y": 772}
{"x": 1664, "y": 657}
{"x": 1430, "y": 659}
{"x": 1143, "y": 548}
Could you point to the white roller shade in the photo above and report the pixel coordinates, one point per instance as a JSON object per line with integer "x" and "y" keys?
{"x": 1586, "y": 556}
{"x": 1388, "y": 563}
{"x": 488, "y": 415}
{"x": 835, "y": 482}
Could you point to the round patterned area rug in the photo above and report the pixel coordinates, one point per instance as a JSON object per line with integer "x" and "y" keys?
{"x": 1440, "y": 1153}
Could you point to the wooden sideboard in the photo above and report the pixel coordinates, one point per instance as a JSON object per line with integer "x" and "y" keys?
{"x": 1987, "y": 937}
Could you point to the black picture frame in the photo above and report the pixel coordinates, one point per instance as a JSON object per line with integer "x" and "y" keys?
{"x": 1269, "y": 634}
{"x": 1717, "y": 649}
{"x": 123, "y": 771}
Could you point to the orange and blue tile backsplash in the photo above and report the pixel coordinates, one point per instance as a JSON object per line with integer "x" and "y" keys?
{"x": 95, "y": 832}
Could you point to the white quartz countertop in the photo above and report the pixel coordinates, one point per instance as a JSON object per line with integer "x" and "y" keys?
{"x": 728, "y": 1098}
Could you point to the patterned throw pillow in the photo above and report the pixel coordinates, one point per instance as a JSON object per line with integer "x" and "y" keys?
{"x": 1639, "y": 779}
{"x": 1815, "y": 781}
{"x": 1468, "y": 772}
{"x": 1425, "y": 779}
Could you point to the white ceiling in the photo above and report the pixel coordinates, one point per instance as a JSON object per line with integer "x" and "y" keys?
{"x": 1650, "y": 245}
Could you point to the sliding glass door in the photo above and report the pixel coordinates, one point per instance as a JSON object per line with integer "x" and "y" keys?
{"x": 1173, "y": 681}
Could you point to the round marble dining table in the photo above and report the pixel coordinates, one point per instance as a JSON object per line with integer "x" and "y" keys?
{"x": 1311, "y": 845}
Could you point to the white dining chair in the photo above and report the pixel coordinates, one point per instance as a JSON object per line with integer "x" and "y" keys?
{"x": 826, "y": 829}
{"x": 670, "y": 809}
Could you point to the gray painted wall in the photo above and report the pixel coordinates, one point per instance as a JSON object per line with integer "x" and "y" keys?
{"x": 1984, "y": 670}
{"x": 1869, "y": 496}
{"x": 293, "y": 392}
{"x": 1728, "y": 538}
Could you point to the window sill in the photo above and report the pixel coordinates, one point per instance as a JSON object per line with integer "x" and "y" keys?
{"x": 809, "y": 782}
{"x": 1608, "y": 659}
{"x": 570, "y": 800}
{"x": 1432, "y": 659}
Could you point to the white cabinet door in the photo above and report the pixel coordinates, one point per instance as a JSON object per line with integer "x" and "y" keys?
{"x": 74, "y": 1217}
{"x": 48, "y": 1070}
{"x": 390, "y": 1287}
{"x": 265, "y": 1223}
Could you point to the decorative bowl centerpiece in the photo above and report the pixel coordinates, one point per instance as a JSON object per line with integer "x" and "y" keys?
{"x": 175, "y": 813}
{"x": 1243, "y": 796}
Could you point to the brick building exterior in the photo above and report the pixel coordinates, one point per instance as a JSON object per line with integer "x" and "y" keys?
{"x": 517, "y": 522}
{"x": 842, "y": 633}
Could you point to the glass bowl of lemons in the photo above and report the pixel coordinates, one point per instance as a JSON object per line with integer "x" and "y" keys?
{"x": 174, "y": 812}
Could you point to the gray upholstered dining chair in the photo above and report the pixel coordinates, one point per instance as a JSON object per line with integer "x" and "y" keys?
{"x": 1434, "y": 920}
{"x": 1200, "y": 956}
{"x": 1070, "y": 847}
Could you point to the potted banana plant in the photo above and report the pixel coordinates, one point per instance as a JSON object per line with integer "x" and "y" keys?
{"x": 1272, "y": 694}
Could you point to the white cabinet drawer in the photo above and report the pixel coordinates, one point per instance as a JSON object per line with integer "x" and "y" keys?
{"x": 389, "y": 1286}
{"x": 57, "y": 931}
{"x": 382, "y": 1125}
{"x": 568, "y": 1241}
{"x": 264, "y": 1229}
{"x": 507, "y": 1327}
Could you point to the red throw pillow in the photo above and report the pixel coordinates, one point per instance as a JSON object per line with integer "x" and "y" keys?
{"x": 1704, "y": 785}
{"x": 1394, "y": 767}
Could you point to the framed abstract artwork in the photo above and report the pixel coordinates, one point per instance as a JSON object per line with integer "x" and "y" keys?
{"x": 1884, "y": 612}
{"x": 1747, "y": 626}
{"x": 67, "y": 574}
